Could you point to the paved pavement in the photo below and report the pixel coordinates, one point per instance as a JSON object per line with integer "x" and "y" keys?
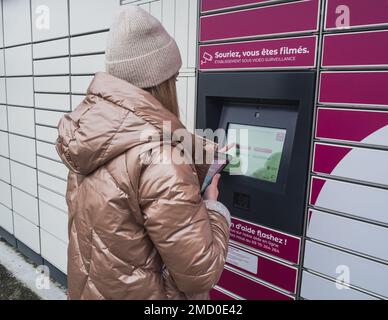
{"x": 20, "y": 279}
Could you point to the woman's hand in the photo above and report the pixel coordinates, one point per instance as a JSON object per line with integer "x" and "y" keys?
{"x": 211, "y": 192}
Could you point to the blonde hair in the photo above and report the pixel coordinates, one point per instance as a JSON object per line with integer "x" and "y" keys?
{"x": 166, "y": 94}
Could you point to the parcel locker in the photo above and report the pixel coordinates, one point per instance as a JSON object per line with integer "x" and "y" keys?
{"x": 6, "y": 219}
{"x": 25, "y": 205}
{"x": 20, "y": 91}
{"x": 17, "y": 22}
{"x": 4, "y": 170}
{"x": 27, "y": 232}
{"x": 54, "y": 221}
{"x": 22, "y": 150}
{"x": 21, "y": 121}
{"x": 18, "y": 61}
{"x": 50, "y": 49}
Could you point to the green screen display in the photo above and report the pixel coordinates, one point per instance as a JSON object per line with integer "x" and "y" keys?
{"x": 257, "y": 152}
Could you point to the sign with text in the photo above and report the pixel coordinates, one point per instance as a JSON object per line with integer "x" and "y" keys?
{"x": 263, "y": 54}
{"x": 286, "y": 18}
{"x": 275, "y": 243}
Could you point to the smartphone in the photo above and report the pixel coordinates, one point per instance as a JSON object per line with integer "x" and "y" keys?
{"x": 221, "y": 160}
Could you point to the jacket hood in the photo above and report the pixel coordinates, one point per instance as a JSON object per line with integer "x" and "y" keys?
{"x": 114, "y": 117}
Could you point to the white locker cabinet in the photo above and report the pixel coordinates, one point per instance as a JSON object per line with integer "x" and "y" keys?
{"x": 2, "y": 69}
{"x": 48, "y": 118}
{"x": 22, "y": 150}
{"x": 53, "y": 221}
{"x": 53, "y": 199}
{"x": 54, "y": 168}
{"x": 80, "y": 84}
{"x": 21, "y": 120}
{"x": 52, "y": 84}
{"x": 3, "y": 118}
{"x": 182, "y": 28}
{"x": 4, "y": 170}
{"x": 92, "y": 43}
{"x": 52, "y": 183}
{"x": 91, "y": 15}
{"x": 25, "y": 205}
{"x": 24, "y": 178}
{"x": 27, "y": 232}
{"x": 2, "y": 91}
{"x": 351, "y": 234}
{"x": 18, "y": 61}
{"x": 1, "y": 25}
{"x": 363, "y": 273}
{"x": 5, "y": 194}
{"x": 50, "y": 49}
{"x": 46, "y": 134}
{"x": 57, "y": 102}
{"x": 50, "y": 19}
{"x": 56, "y": 66}
{"x": 76, "y": 100}
{"x": 20, "y": 91}
{"x": 88, "y": 64}
{"x": 54, "y": 250}
{"x": 47, "y": 150}
{"x": 4, "y": 150}
{"x": 6, "y": 219}
{"x": 17, "y": 22}
{"x": 318, "y": 288}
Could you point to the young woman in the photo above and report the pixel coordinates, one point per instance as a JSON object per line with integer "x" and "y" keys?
{"x": 138, "y": 227}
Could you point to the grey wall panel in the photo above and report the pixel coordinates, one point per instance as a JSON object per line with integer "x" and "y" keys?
{"x": 27, "y": 232}
{"x": 58, "y": 102}
{"x": 24, "y": 178}
{"x": 52, "y": 167}
{"x": 317, "y": 288}
{"x": 52, "y": 183}
{"x": 47, "y": 150}
{"x": 364, "y": 273}
{"x": 52, "y": 84}
{"x": 2, "y": 91}
{"x": 80, "y": 84}
{"x": 3, "y": 118}
{"x": 348, "y": 233}
{"x": 6, "y": 218}
{"x": 22, "y": 150}
{"x": 2, "y": 67}
{"x": 88, "y": 64}
{"x": 49, "y": 118}
{"x": 4, "y": 150}
{"x": 4, "y": 169}
{"x": 20, "y": 91}
{"x": 53, "y": 199}
{"x": 5, "y": 194}
{"x": 18, "y": 61}
{"x": 46, "y": 134}
{"x": 99, "y": 14}
{"x": 53, "y": 221}
{"x": 1, "y": 25}
{"x": 54, "y": 48}
{"x": 25, "y": 205}
{"x": 91, "y": 43}
{"x": 50, "y": 19}
{"x": 21, "y": 120}
{"x": 76, "y": 100}
{"x": 57, "y": 66}
{"x": 17, "y": 22}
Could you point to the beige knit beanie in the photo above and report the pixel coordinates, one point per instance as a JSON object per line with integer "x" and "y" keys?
{"x": 139, "y": 50}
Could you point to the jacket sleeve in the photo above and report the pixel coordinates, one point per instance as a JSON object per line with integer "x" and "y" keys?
{"x": 191, "y": 239}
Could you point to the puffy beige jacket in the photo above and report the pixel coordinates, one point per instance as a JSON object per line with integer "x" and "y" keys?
{"x": 138, "y": 228}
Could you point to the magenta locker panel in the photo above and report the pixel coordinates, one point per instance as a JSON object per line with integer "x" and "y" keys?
{"x": 260, "y": 21}
{"x": 361, "y": 49}
{"x": 356, "y": 13}
{"x": 249, "y": 289}
{"x": 356, "y": 126}
{"x": 263, "y": 268}
{"x": 338, "y": 88}
{"x": 216, "y": 294}
{"x": 212, "y": 5}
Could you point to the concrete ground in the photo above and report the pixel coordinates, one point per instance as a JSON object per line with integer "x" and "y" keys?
{"x": 21, "y": 280}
